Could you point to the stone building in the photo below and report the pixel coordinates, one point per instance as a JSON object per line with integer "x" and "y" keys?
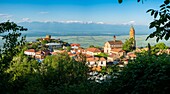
{"x": 132, "y": 35}
{"x": 109, "y": 45}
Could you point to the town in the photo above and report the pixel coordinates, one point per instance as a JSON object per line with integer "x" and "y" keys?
{"x": 95, "y": 57}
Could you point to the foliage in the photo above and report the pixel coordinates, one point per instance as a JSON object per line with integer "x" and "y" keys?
{"x": 120, "y": 1}
{"x": 102, "y": 55}
{"x": 161, "y": 22}
{"x": 68, "y": 48}
{"x": 157, "y": 48}
{"x": 128, "y": 45}
{"x": 91, "y": 46}
{"x": 11, "y": 46}
{"x": 147, "y": 74}
{"x": 43, "y": 42}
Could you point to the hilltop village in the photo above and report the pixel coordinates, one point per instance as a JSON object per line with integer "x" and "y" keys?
{"x": 95, "y": 57}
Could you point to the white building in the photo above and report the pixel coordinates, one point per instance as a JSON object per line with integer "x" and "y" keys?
{"x": 53, "y": 46}
{"x": 95, "y": 61}
{"x": 30, "y": 52}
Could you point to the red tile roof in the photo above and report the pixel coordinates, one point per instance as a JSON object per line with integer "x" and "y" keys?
{"x": 117, "y": 50}
{"x": 94, "y": 50}
{"x": 95, "y": 59}
{"x": 119, "y": 42}
{"x": 75, "y": 44}
{"x": 30, "y": 50}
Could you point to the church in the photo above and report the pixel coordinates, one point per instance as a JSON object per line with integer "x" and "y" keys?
{"x": 118, "y": 44}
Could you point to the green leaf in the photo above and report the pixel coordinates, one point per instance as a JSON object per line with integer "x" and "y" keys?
{"x": 152, "y": 12}
{"x": 167, "y": 36}
{"x": 162, "y": 5}
{"x": 149, "y": 10}
{"x": 156, "y": 13}
{"x": 152, "y": 24}
{"x": 162, "y": 8}
{"x": 168, "y": 7}
{"x": 166, "y": 2}
{"x": 157, "y": 39}
{"x": 120, "y": 1}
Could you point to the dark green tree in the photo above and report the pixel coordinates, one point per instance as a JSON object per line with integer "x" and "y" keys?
{"x": 11, "y": 47}
{"x": 128, "y": 45}
{"x": 148, "y": 74}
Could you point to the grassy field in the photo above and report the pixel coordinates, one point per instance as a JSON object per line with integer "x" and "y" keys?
{"x": 86, "y": 41}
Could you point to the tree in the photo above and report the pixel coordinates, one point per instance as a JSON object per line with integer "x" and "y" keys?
{"x": 157, "y": 48}
{"x": 148, "y": 74}
{"x": 161, "y": 46}
{"x": 12, "y": 46}
{"x": 91, "y": 46}
{"x": 61, "y": 70}
{"x": 161, "y": 22}
{"x": 128, "y": 45}
{"x": 68, "y": 48}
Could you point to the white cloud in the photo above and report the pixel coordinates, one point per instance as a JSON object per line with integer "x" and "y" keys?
{"x": 130, "y": 23}
{"x": 100, "y": 22}
{"x": 43, "y": 12}
{"x": 5, "y": 15}
{"x": 26, "y": 19}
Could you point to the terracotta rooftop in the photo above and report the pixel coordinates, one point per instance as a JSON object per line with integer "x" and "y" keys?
{"x": 115, "y": 42}
{"x": 117, "y": 50}
{"x": 131, "y": 55}
{"x": 75, "y": 44}
{"x": 102, "y": 59}
{"x": 93, "y": 50}
{"x": 30, "y": 50}
{"x": 95, "y": 59}
{"x": 39, "y": 53}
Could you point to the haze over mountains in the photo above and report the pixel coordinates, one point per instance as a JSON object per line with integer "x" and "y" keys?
{"x": 78, "y": 28}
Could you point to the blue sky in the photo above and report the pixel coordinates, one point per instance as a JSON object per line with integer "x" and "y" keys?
{"x": 107, "y": 11}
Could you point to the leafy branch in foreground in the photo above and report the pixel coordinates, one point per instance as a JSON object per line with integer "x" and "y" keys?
{"x": 120, "y": 1}
{"x": 11, "y": 42}
{"x": 161, "y": 22}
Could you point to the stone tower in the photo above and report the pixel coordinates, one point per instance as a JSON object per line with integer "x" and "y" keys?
{"x": 132, "y": 35}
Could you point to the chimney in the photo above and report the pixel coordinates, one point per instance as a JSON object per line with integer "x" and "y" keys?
{"x": 114, "y": 38}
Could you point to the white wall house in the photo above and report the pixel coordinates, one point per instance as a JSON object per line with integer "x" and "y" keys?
{"x": 53, "y": 46}
{"x": 95, "y": 61}
{"x": 93, "y": 51}
{"x": 30, "y": 52}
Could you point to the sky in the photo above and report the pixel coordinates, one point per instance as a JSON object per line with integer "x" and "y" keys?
{"x": 102, "y": 11}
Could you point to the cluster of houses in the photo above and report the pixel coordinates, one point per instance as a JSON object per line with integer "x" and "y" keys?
{"x": 113, "y": 49}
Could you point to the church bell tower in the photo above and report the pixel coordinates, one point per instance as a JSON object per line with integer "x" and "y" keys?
{"x": 132, "y": 35}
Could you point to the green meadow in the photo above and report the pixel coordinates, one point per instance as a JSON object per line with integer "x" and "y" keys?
{"x": 86, "y": 41}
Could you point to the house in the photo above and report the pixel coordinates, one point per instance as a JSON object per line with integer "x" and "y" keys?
{"x": 41, "y": 54}
{"x": 95, "y": 61}
{"x": 75, "y": 45}
{"x": 93, "y": 51}
{"x": 53, "y": 46}
{"x": 112, "y": 44}
{"x": 79, "y": 50}
{"x": 30, "y": 52}
{"x": 111, "y": 57}
{"x": 118, "y": 51}
{"x": 131, "y": 55}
